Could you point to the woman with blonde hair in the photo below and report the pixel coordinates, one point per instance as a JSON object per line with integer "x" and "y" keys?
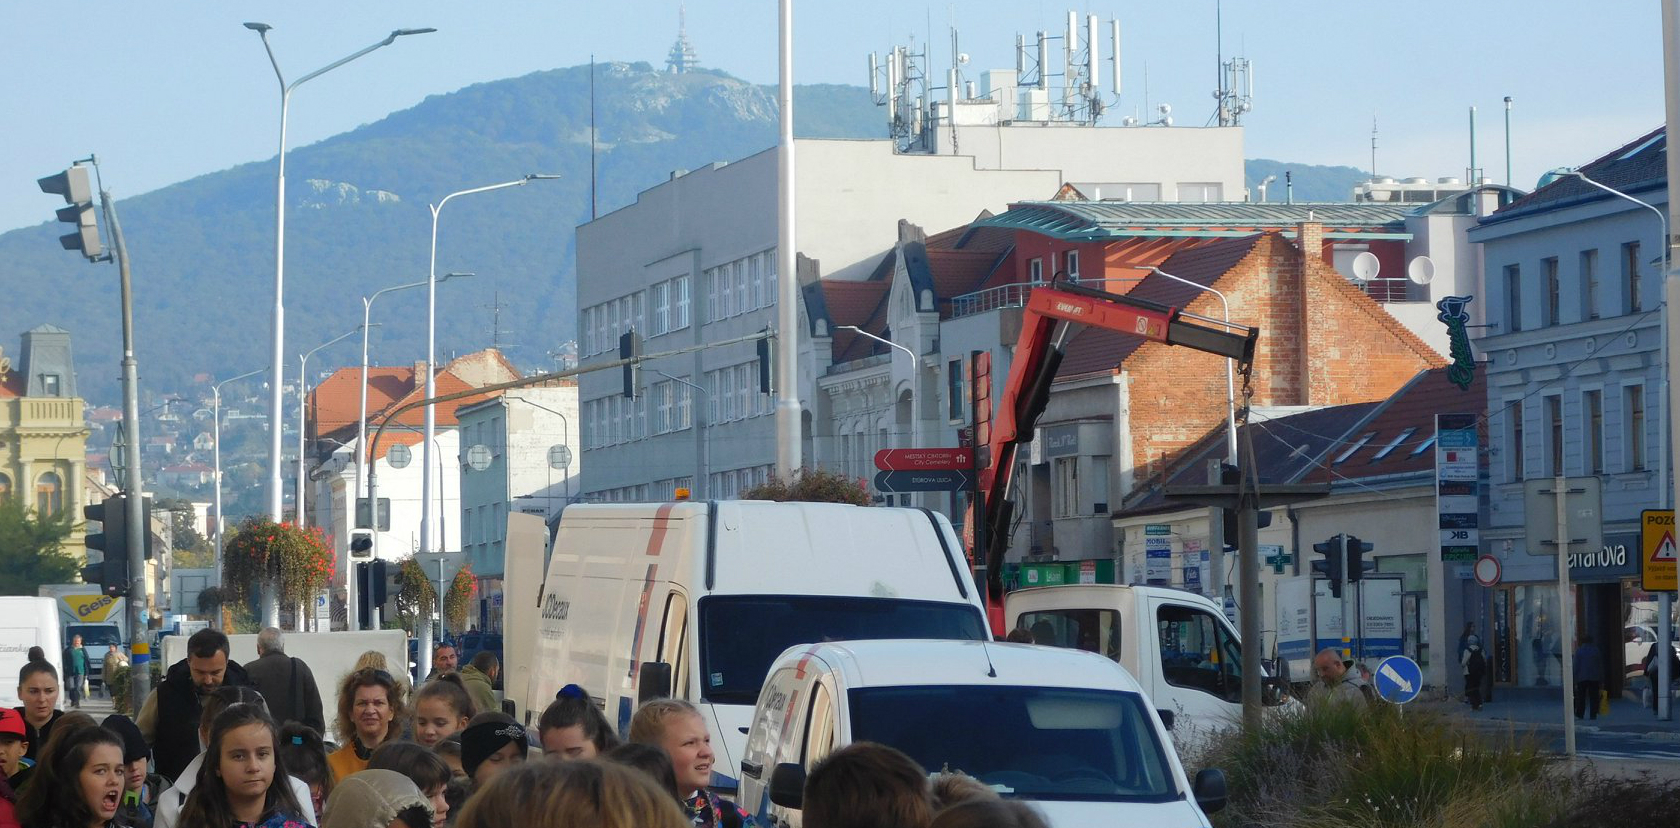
{"x": 678, "y": 727}
{"x": 371, "y": 711}
{"x": 572, "y": 794}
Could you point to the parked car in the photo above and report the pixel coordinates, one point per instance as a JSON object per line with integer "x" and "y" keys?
{"x": 1637, "y": 640}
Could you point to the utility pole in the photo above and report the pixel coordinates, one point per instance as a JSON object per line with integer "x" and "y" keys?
{"x": 1671, "y": 317}
{"x": 138, "y": 590}
{"x": 788, "y": 416}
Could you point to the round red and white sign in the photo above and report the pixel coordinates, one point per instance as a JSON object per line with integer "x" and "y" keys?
{"x": 1487, "y": 571}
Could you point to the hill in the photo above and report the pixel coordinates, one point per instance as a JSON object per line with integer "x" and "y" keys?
{"x": 202, "y": 250}
{"x": 1312, "y": 183}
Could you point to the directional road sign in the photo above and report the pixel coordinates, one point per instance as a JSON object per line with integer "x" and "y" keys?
{"x": 1398, "y": 679}
{"x": 945, "y": 480}
{"x": 922, "y": 459}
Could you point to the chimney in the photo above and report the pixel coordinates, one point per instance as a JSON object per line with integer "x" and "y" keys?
{"x": 1309, "y": 237}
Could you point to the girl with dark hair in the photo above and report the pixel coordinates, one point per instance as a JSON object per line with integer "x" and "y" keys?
{"x": 427, "y": 770}
{"x": 78, "y": 784}
{"x": 306, "y": 759}
{"x": 442, "y": 708}
{"x": 243, "y": 782}
{"x": 370, "y": 713}
{"x": 38, "y": 690}
{"x": 572, "y": 727}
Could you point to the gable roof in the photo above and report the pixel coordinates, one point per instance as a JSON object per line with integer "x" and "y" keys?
{"x": 1402, "y": 431}
{"x": 863, "y": 304}
{"x": 333, "y": 404}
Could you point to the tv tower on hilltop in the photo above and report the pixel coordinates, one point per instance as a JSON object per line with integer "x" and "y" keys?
{"x": 682, "y": 58}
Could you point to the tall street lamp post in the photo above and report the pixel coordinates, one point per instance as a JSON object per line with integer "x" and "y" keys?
{"x": 431, "y": 352}
{"x": 271, "y": 607}
{"x": 303, "y": 398}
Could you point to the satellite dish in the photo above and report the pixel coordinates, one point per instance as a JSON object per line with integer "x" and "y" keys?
{"x": 1164, "y": 109}
{"x": 399, "y": 456}
{"x": 1366, "y": 266}
{"x": 1421, "y": 270}
{"x": 478, "y": 457}
{"x": 559, "y": 456}
{"x": 962, "y": 58}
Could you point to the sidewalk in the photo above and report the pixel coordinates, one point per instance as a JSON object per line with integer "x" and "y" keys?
{"x": 1540, "y": 710}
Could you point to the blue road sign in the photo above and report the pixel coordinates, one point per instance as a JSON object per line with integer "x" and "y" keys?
{"x": 938, "y": 480}
{"x": 1398, "y": 679}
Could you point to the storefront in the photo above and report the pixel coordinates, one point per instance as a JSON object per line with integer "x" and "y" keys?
{"x": 1526, "y": 641}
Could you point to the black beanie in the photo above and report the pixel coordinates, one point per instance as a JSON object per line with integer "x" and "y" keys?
{"x": 134, "y": 744}
{"x": 485, "y": 738}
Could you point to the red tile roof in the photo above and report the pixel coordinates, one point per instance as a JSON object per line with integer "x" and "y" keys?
{"x": 333, "y": 403}
{"x": 1402, "y": 426}
{"x": 863, "y": 304}
{"x": 979, "y": 239}
{"x": 956, "y": 272}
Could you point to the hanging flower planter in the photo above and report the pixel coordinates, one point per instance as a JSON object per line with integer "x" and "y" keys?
{"x": 416, "y": 597}
{"x": 458, "y": 600}
{"x": 300, "y": 562}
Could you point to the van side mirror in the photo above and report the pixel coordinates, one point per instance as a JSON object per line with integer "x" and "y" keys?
{"x": 653, "y": 681}
{"x": 1166, "y": 718}
{"x": 787, "y": 785}
{"x": 1209, "y": 790}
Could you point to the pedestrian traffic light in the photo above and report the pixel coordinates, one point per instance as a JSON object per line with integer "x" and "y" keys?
{"x": 630, "y": 347}
{"x": 763, "y": 346}
{"x": 73, "y": 184}
{"x": 111, "y": 573}
{"x": 361, "y": 545}
{"x": 1332, "y": 565}
{"x": 1357, "y": 566}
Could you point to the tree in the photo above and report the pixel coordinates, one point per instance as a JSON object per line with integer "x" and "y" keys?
{"x": 192, "y": 550}
{"x": 812, "y": 485}
{"x": 32, "y": 549}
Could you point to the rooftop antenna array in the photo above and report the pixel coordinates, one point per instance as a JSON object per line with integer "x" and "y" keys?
{"x": 900, "y": 85}
{"x": 1235, "y": 95}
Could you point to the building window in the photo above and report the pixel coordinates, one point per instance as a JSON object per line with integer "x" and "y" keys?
{"x": 679, "y": 309}
{"x": 954, "y": 389}
{"x": 49, "y": 494}
{"x": 661, "y": 294}
{"x": 1514, "y": 446}
{"x": 1554, "y": 434}
{"x": 1593, "y": 442}
{"x": 1035, "y": 270}
{"x": 1634, "y": 406}
{"x": 49, "y": 385}
{"x": 1513, "y": 299}
{"x": 1549, "y": 267}
{"x": 1630, "y": 272}
{"x": 1589, "y": 284}
{"x": 1073, "y": 265}
{"x": 1066, "y": 488}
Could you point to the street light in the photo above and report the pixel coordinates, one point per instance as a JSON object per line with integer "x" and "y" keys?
{"x": 271, "y": 607}
{"x": 703, "y": 462}
{"x": 431, "y": 351}
{"x": 915, "y": 380}
{"x": 216, "y": 452}
{"x": 1664, "y": 599}
{"x": 303, "y": 397}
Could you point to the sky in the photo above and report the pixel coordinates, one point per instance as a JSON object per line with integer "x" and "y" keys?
{"x": 165, "y": 91}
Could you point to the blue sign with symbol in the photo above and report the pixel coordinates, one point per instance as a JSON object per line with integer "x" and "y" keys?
{"x": 1398, "y": 679}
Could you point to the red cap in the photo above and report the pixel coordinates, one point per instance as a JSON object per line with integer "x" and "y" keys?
{"x": 11, "y": 723}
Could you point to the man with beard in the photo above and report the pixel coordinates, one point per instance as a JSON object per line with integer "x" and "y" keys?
{"x": 169, "y": 719}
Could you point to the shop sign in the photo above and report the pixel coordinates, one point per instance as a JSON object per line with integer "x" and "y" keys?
{"x": 1618, "y": 558}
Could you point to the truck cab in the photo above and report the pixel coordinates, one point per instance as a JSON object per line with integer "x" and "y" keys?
{"x": 1178, "y": 645}
{"x": 1068, "y": 731}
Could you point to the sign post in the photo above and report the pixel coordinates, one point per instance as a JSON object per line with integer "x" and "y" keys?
{"x": 1561, "y": 514}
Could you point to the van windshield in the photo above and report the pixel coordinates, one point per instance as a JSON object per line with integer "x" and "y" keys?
{"x": 1025, "y": 742}
{"x": 741, "y": 635}
{"x": 94, "y": 635}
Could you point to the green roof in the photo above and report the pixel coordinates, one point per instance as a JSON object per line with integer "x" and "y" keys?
{"x": 1102, "y": 220}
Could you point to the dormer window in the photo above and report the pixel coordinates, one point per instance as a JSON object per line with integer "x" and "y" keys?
{"x": 49, "y": 385}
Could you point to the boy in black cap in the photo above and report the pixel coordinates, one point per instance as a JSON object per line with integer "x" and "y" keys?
{"x": 140, "y": 789}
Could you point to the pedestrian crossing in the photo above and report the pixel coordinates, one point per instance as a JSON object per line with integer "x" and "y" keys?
{"x": 1663, "y": 752}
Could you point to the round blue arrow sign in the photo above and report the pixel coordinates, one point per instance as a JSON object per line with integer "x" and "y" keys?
{"x": 1398, "y": 679}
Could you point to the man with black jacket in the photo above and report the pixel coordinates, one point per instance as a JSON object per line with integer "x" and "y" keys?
{"x": 169, "y": 719}
{"x": 286, "y": 682}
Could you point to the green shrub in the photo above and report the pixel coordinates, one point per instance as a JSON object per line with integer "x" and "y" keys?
{"x": 812, "y": 485}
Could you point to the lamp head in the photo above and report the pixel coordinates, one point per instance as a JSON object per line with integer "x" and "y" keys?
{"x": 259, "y": 28}
{"x": 541, "y": 177}
{"x": 447, "y": 276}
{"x": 404, "y": 32}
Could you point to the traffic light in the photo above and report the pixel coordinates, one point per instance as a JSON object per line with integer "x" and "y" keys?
{"x": 361, "y": 545}
{"x": 1357, "y": 566}
{"x": 1332, "y": 565}
{"x": 73, "y": 184}
{"x": 111, "y": 573}
{"x": 370, "y": 589}
{"x": 763, "y": 346}
{"x": 629, "y": 347}
{"x": 1230, "y": 475}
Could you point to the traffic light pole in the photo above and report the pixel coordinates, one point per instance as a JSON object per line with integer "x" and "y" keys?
{"x": 135, "y": 525}
{"x": 1349, "y": 610}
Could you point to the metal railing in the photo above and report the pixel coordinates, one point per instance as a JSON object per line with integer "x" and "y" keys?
{"x": 1015, "y": 295}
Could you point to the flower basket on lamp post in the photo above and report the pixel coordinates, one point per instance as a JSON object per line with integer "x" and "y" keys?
{"x": 297, "y": 563}
{"x": 416, "y": 597}
{"x": 458, "y": 600}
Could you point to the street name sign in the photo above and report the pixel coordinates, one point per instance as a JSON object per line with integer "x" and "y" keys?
{"x": 938, "y": 480}
{"x": 924, "y": 459}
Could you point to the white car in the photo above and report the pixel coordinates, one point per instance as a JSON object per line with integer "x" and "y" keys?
{"x": 1069, "y": 731}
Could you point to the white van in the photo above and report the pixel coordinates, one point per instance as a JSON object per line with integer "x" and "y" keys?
{"x": 695, "y": 600}
{"x": 29, "y": 622}
{"x": 1069, "y": 731}
{"x": 1178, "y": 645}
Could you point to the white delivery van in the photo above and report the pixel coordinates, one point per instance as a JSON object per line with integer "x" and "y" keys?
{"x": 695, "y": 600}
{"x": 27, "y": 622}
{"x": 1069, "y": 731}
{"x": 1178, "y": 645}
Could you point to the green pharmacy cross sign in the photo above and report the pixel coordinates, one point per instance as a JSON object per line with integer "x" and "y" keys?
{"x": 1462, "y": 370}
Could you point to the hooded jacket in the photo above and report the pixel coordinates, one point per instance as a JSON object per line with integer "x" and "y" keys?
{"x": 480, "y": 689}
{"x": 372, "y": 797}
{"x": 178, "y": 708}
